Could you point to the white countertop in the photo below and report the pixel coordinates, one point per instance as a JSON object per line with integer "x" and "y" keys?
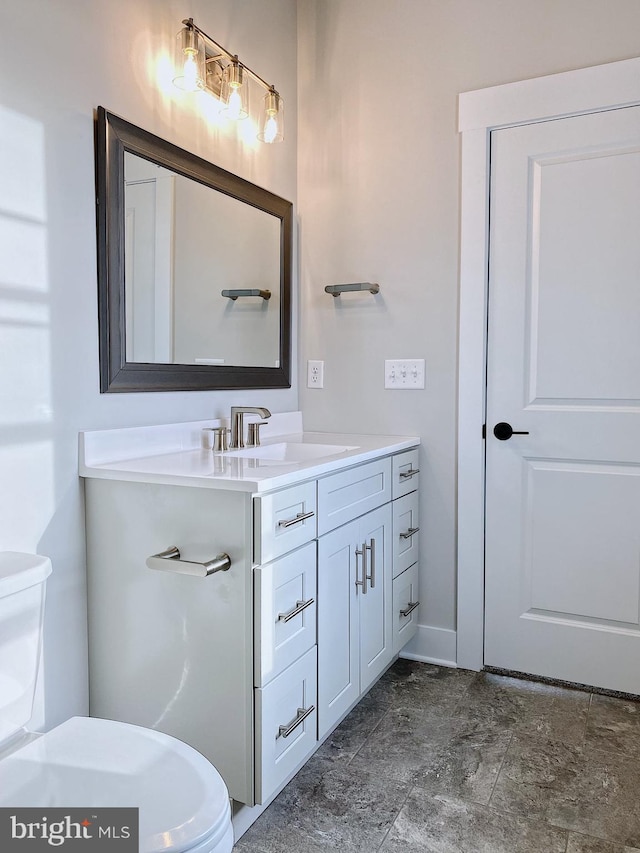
{"x": 176, "y": 454}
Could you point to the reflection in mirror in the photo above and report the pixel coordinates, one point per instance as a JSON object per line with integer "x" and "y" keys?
{"x": 184, "y": 244}
{"x": 174, "y": 232}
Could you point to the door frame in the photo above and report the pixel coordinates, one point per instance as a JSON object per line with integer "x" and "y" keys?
{"x": 587, "y": 90}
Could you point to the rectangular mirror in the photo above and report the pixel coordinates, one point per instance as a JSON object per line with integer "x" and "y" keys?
{"x": 194, "y": 273}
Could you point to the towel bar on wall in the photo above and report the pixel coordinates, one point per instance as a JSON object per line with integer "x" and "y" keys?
{"x": 171, "y": 561}
{"x": 337, "y": 289}
{"x": 233, "y": 294}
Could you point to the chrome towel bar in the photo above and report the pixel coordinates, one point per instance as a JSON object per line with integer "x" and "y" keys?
{"x": 337, "y": 289}
{"x": 233, "y": 294}
{"x": 169, "y": 561}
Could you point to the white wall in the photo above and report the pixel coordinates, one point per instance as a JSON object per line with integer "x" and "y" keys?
{"x": 59, "y": 61}
{"x": 378, "y": 199}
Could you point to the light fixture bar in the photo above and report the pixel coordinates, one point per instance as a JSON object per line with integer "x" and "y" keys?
{"x": 223, "y": 52}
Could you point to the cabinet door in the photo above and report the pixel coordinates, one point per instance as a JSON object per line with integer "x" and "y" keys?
{"x": 285, "y": 724}
{"x": 285, "y": 612}
{"x": 284, "y": 520}
{"x": 338, "y": 654}
{"x": 349, "y": 494}
{"x": 405, "y": 607}
{"x": 376, "y": 641}
{"x": 406, "y": 473}
{"x": 406, "y": 536}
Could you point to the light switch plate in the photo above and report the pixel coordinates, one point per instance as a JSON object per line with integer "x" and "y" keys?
{"x": 404, "y": 373}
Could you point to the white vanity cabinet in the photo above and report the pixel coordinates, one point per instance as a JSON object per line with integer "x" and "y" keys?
{"x": 255, "y": 665}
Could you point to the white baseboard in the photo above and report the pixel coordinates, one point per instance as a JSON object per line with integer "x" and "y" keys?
{"x": 432, "y": 645}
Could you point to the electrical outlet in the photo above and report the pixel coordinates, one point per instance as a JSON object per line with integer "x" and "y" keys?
{"x": 315, "y": 374}
{"x": 404, "y": 373}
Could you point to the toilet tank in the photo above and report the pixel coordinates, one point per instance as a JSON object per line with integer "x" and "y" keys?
{"x": 22, "y": 587}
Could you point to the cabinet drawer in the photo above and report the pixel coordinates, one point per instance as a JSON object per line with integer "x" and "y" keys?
{"x": 406, "y": 472}
{"x": 283, "y": 521}
{"x": 405, "y": 596}
{"x": 283, "y": 738}
{"x": 285, "y": 612}
{"x": 349, "y": 494}
{"x": 406, "y": 536}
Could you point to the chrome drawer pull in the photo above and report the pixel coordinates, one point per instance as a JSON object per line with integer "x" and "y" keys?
{"x": 301, "y": 716}
{"x": 372, "y": 576}
{"x": 405, "y": 475}
{"x": 300, "y": 606}
{"x": 365, "y": 577}
{"x": 301, "y": 516}
{"x": 409, "y": 533}
{"x": 169, "y": 561}
{"x": 411, "y": 606}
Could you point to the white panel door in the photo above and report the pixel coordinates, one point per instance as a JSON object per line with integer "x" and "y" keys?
{"x": 562, "y": 583}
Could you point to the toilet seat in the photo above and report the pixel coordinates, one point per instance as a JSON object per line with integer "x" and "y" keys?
{"x": 183, "y": 801}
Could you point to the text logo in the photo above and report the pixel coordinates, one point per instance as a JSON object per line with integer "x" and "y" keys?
{"x": 103, "y": 830}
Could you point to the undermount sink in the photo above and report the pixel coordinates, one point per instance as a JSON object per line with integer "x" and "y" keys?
{"x": 290, "y": 451}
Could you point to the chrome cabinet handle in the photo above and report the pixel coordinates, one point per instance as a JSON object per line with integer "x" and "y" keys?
{"x": 372, "y": 548}
{"x": 169, "y": 561}
{"x": 301, "y": 516}
{"x": 300, "y": 717}
{"x": 365, "y": 577}
{"x": 411, "y": 606}
{"x": 405, "y": 475}
{"x": 300, "y": 606}
{"x": 409, "y": 533}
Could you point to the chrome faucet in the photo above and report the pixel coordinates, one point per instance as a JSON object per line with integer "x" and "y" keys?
{"x": 237, "y": 422}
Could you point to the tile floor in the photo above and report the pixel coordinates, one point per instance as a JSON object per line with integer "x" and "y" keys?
{"x": 437, "y": 760}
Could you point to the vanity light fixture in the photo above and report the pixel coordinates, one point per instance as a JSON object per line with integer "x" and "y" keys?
{"x": 203, "y": 64}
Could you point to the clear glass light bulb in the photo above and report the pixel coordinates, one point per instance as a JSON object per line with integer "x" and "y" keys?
{"x": 234, "y": 107}
{"x": 190, "y": 73}
{"x": 270, "y": 129}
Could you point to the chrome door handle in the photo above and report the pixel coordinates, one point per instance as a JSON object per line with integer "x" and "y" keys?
{"x": 411, "y": 606}
{"x": 405, "y": 475}
{"x": 300, "y": 717}
{"x": 301, "y": 516}
{"x": 300, "y": 606}
{"x": 365, "y": 577}
{"x": 409, "y": 533}
{"x": 169, "y": 561}
{"x": 372, "y": 549}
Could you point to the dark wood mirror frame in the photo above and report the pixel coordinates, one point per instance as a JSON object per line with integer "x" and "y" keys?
{"x": 114, "y": 136}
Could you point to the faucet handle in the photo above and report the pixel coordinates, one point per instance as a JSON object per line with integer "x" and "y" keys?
{"x": 220, "y": 438}
{"x": 253, "y": 433}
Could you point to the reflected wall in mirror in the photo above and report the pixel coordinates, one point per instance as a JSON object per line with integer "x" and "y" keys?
{"x": 174, "y": 232}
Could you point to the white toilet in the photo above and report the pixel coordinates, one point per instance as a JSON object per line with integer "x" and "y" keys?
{"x": 183, "y": 802}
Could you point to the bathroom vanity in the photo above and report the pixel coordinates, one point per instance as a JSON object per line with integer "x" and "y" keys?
{"x": 255, "y": 663}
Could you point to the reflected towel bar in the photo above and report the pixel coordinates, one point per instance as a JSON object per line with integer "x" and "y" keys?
{"x": 337, "y": 289}
{"x": 233, "y": 294}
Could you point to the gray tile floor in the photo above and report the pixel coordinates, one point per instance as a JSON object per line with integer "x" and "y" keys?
{"x": 437, "y": 760}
